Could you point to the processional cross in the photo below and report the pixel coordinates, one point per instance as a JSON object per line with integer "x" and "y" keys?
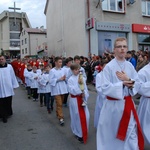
{"x": 14, "y": 8}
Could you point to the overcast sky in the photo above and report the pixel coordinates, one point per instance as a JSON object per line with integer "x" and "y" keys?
{"x": 33, "y": 8}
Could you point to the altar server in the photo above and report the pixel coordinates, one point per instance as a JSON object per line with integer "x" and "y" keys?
{"x": 8, "y": 82}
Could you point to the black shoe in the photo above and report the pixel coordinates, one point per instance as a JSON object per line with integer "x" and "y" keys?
{"x": 49, "y": 111}
{"x": 4, "y": 120}
{"x": 80, "y": 139}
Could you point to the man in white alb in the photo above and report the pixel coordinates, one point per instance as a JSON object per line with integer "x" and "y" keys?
{"x": 8, "y": 82}
{"x": 118, "y": 126}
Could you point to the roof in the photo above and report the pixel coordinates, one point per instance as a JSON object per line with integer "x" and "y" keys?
{"x": 35, "y": 30}
{"x": 46, "y": 5}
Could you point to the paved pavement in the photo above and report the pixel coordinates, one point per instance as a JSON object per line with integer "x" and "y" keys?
{"x": 32, "y": 128}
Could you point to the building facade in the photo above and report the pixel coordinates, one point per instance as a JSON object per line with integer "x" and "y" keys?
{"x": 82, "y": 26}
{"x": 11, "y": 24}
{"x": 33, "y": 41}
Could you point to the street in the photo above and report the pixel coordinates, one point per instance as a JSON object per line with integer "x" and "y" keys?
{"x": 32, "y": 128}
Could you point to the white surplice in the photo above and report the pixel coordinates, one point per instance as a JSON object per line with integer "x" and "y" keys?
{"x": 44, "y": 84}
{"x": 112, "y": 110}
{"x": 34, "y": 82}
{"x": 74, "y": 89}
{"x": 27, "y": 75}
{"x": 8, "y": 81}
{"x": 100, "y": 98}
{"x": 57, "y": 87}
{"x": 144, "y": 106}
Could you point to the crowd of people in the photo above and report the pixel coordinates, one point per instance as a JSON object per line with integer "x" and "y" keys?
{"x": 117, "y": 77}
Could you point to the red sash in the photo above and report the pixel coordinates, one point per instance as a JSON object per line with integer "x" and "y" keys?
{"x": 124, "y": 122}
{"x": 82, "y": 117}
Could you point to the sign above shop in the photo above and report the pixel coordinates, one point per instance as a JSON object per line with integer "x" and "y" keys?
{"x": 141, "y": 28}
{"x": 90, "y": 23}
{"x": 109, "y": 26}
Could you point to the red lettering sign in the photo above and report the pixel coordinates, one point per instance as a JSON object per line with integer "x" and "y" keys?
{"x": 141, "y": 28}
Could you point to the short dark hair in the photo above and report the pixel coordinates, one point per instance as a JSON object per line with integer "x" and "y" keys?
{"x": 129, "y": 52}
{"x": 77, "y": 57}
{"x": 104, "y": 62}
{"x": 48, "y": 65}
{"x": 57, "y": 58}
{"x": 68, "y": 60}
{"x": 74, "y": 66}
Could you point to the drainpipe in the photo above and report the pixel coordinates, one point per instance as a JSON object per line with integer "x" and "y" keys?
{"x": 89, "y": 34}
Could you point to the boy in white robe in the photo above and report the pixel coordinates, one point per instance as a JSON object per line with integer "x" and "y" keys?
{"x": 100, "y": 96}
{"x": 79, "y": 114}
{"x": 77, "y": 61}
{"x": 118, "y": 126}
{"x": 144, "y": 106}
{"x": 27, "y": 75}
{"x": 68, "y": 62}
{"x": 58, "y": 87}
{"x": 34, "y": 83}
{"x": 41, "y": 88}
{"x": 49, "y": 99}
{"x": 8, "y": 82}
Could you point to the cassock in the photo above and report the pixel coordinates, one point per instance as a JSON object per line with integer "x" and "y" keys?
{"x": 109, "y": 136}
{"x": 100, "y": 98}
{"x": 8, "y": 82}
{"x": 144, "y": 106}
{"x": 79, "y": 115}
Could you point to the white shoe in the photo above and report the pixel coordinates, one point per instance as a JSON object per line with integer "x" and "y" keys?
{"x": 61, "y": 122}
{"x": 84, "y": 104}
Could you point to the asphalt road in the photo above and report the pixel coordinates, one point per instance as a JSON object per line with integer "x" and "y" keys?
{"x": 32, "y": 128}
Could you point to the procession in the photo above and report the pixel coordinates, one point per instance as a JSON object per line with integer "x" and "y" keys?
{"x": 116, "y": 83}
{"x": 77, "y": 78}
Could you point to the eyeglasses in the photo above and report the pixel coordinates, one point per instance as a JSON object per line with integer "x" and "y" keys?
{"x": 121, "y": 46}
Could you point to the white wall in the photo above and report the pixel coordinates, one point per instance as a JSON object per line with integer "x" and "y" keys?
{"x": 66, "y": 27}
{"x": 132, "y": 15}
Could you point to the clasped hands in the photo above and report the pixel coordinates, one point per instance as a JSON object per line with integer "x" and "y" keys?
{"x": 126, "y": 80}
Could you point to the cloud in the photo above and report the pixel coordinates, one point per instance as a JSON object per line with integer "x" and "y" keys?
{"x": 33, "y": 8}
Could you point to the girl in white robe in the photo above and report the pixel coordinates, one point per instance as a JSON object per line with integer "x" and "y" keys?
{"x": 79, "y": 114}
{"x": 144, "y": 106}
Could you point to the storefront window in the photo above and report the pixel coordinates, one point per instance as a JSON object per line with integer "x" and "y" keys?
{"x": 113, "y": 5}
{"x": 144, "y": 38}
{"x": 106, "y": 40}
{"x": 144, "y": 42}
{"x": 146, "y": 7}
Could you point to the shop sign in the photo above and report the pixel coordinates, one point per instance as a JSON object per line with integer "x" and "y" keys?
{"x": 90, "y": 23}
{"x": 140, "y": 28}
{"x": 109, "y": 26}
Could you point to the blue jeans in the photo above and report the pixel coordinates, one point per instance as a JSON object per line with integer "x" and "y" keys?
{"x": 49, "y": 101}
